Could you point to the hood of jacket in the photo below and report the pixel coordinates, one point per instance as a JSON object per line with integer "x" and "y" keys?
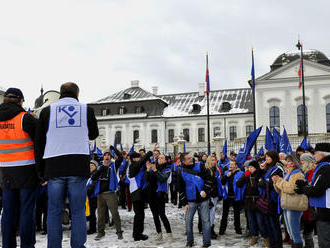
{"x": 9, "y": 110}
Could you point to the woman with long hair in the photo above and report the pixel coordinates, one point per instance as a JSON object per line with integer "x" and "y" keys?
{"x": 292, "y": 203}
{"x": 271, "y": 167}
{"x": 216, "y": 191}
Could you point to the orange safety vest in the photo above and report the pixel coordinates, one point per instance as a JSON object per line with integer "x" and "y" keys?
{"x": 16, "y": 145}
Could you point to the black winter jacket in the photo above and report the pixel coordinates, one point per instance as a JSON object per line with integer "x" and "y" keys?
{"x": 21, "y": 176}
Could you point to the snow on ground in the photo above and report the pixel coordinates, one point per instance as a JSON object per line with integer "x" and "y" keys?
{"x": 176, "y": 218}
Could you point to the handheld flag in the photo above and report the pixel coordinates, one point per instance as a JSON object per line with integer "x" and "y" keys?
{"x": 131, "y": 150}
{"x": 184, "y": 147}
{"x": 269, "y": 141}
{"x": 224, "y": 149}
{"x": 299, "y": 73}
{"x": 289, "y": 149}
{"x": 285, "y": 143}
{"x": 94, "y": 149}
{"x": 99, "y": 152}
{"x": 207, "y": 78}
{"x": 304, "y": 144}
{"x": 261, "y": 152}
{"x": 276, "y": 139}
{"x": 121, "y": 148}
{"x": 247, "y": 147}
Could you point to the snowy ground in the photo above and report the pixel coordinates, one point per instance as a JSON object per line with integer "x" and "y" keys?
{"x": 176, "y": 218}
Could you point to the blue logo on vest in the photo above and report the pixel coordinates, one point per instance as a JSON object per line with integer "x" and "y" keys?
{"x": 68, "y": 116}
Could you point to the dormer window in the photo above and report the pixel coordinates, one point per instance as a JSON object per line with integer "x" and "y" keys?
{"x": 196, "y": 108}
{"x": 122, "y": 110}
{"x": 105, "y": 112}
{"x": 225, "y": 107}
{"x": 127, "y": 96}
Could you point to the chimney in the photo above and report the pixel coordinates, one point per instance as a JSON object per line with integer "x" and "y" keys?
{"x": 134, "y": 83}
{"x": 201, "y": 89}
{"x": 155, "y": 90}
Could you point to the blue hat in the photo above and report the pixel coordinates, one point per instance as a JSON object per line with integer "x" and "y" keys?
{"x": 14, "y": 93}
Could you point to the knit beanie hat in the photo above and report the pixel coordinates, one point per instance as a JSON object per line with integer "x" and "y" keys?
{"x": 307, "y": 157}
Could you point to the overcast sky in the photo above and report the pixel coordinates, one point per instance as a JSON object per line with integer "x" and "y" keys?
{"x": 104, "y": 44}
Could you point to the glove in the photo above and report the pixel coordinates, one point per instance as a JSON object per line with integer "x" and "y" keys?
{"x": 301, "y": 183}
{"x": 247, "y": 173}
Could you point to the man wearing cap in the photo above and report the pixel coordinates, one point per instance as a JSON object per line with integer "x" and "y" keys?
{"x": 62, "y": 146}
{"x": 319, "y": 192}
{"x": 19, "y": 177}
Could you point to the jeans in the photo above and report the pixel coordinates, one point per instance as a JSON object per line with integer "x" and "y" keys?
{"x": 204, "y": 211}
{"x": 273, "y": 226}
{"x": 212, "y": 210}
{"x": 323, "y": 233}
{"x": 57, "y": 189}
{"x": 256, "y": 223}
{"x": 18, "y": 202}
{"x": 292, "y": 222}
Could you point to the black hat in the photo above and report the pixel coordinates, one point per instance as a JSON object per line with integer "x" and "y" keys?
{"x": 322, "y": 147}
{"x": 14, "y": 93}
{"x": 232, "y": 153}
{"x": 254, "y": 163}
{"x": 135, "y": 155}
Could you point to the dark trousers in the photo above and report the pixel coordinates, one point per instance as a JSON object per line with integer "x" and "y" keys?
{"x": 224, "y": 220}
{"x": 18, "y": 203}
{"x": 138, "y": 224}
{"x": 122, "y": 194}
{"x": 272, "y": 223}
{"x": 41, "y": 212}
{"x": 174, "y": 193}
{"x": 157, "y": 207}
{"x": 323, "y": 233}
{"x": 92, "y": 216}
{"x": 128, "y": 199}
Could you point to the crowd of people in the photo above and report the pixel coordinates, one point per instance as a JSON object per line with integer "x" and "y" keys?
{"x": 47, "y": 167}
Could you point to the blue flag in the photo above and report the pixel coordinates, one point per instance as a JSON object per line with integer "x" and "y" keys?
{"x": 285, "y": 143}
{"x": 269, "y": 141}
{"x": 261, "y": 152}
{"x": 252, "y": 73}
{"x": 304, "y": 144}
{"x": 99, "y": 152}
{"x": 309, "y": 143}
{"x": 29, "y": 111}
{"x": 276, "y": 139}
{"x": 247, "y": 147}
{"x": 184, "y": 147}
{"x": 224, "y": 149}
{"x": 121, "y": 148}
{"x": 131, "y": 150}
{"x": 94, "y": 149}
{"x": 115, "y": 142}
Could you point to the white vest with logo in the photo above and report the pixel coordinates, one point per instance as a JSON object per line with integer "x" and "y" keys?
{"x": 68, "y": 130}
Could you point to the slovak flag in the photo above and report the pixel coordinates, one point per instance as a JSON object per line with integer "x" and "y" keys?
{"x": 299, "y": 73}
{"x": 207, "y": 78}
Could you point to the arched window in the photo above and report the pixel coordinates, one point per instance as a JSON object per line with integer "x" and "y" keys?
{"x": 328, "y": 117}
{"x": 274, "y": 117}
{"x": 136, "y": 136}
{"x": 300, "y": 119}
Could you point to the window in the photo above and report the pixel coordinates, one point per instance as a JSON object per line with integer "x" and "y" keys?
{"x": 274, "y": 117}
{"x": 139, "y": 109}
{"x": 122, "y": 110}
{"x": 248, "y": 130}
{"x": 232, "y": 133}
{"x": 186, "y": 134}
{"x": 171, "y": 135}
{"x": 135, "y": 136}
{"x": 225, "y": 107}
{"x": 127, "y": 96}
{"x": 118, "y": 137}
{"x": 328, "y": 117}
{"x": 300, "y": 119}
{"x": 104, "y": 112}
{"x": 201, "y": 134}
{"x": 216, "y": 132}
{"x": 196, "y": 108}
{"x": 154, "y": 136}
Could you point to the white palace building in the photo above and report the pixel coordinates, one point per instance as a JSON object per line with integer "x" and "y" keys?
{"x": 136, "y": 115}
{"x": 141, "y": 117}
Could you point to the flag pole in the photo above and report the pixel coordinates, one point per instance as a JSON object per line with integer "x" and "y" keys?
{"x": 208, "y": 108}
{"x": 254, "y": 102}
{"x": 300, "y": 47}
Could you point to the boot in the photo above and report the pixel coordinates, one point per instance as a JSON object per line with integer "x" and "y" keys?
{"x": 169, "y": 237}
{"x": 213, "y": 234}
{"x": 266, "y": 243}
{"x": 309, "y": 242}
{"x": 99, "y": 236}
{"x": 159, "y": 237}
{"x": 253, "y": 241}
{"x": 120, "y": 235}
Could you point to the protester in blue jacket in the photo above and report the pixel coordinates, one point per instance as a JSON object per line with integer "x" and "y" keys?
{"x": 232, "y": 196}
